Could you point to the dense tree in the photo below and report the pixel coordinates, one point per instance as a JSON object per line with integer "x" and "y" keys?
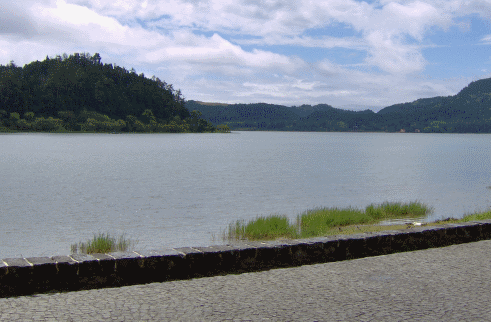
{"x": 467, "y": 112}
{"x": 79, "y": 92}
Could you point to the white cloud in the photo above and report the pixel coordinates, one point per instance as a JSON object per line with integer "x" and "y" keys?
{"x": 226, "y": 50}
{"x": 218, "y": 52}
{"x": 307, "y": 42}
{"x": 392, "y": 56}
{"x": 486, "y": 39}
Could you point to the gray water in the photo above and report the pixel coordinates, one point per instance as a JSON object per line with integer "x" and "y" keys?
{"x": 171, "y": 190}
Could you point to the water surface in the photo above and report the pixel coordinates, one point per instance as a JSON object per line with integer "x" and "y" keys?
{"x": 171, "y": 190}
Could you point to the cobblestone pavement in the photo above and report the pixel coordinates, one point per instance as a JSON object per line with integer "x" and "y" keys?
{"x": 445, "y": 284}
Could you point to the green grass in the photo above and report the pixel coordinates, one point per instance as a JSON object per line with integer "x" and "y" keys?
{"x": 392, "y": 210}
{"x": 477, "y": 216}
{"x": 318, "y": 221}
{"x": 483, "y": 215}
{"x": 102, "y": 243}
{"x": 322, "y": 221}
{"x": 261, "y": 228}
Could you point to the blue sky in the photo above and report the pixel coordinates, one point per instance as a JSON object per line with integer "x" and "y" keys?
{"x": 346, "y": 53}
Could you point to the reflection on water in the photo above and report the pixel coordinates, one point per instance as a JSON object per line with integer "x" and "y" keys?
{"x": 170, "y": 190}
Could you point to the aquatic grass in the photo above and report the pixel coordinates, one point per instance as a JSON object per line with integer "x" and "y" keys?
{"x": 476, "y": 216}
{"x": 261, "y": 228}
{"x": 323, "y": 221}
{"x": 392, "y": 210}
{"x": 102, "y": 243}
{"x": 318, "y": 221}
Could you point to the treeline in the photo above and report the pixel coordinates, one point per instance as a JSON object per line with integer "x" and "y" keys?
{"x": 80, "y": 93}
{"x": 467, "y": 112}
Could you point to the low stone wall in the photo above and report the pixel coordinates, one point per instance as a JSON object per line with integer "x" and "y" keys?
{"x": 23, "y": 276}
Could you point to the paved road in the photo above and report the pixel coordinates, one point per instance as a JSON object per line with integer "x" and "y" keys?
{"x": 443, "y": 284}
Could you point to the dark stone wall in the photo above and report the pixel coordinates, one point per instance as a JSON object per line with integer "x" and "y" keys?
{"x": 24, "y": 276}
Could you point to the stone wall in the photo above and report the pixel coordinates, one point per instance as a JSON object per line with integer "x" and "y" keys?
{"x": 23, "y": 276}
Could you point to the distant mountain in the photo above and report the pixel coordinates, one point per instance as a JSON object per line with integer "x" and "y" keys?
{"x": 358, "y": 107}
{"x": 467, "y": 112}
{"x": 306, "y": 110}
{"x": 420, "y": 104}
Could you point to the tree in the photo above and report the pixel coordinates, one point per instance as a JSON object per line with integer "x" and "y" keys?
{"x": 29, "y": 116}
{"x": 67, "y": 87}
{"x": 147, "y": 117}
{"x": 223, "y": 128}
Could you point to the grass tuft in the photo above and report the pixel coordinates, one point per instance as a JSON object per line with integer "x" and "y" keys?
{"x": 265, "y": 228}
{"x": 319, "y": 221}
{"x": 392, "y": 210}
{"x": 102, "y": 243}
{"x": 322, "y": 221}
{"x": 477, "y": 216}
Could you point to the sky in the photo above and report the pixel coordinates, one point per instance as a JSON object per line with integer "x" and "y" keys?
{"x": 345, "y": 53}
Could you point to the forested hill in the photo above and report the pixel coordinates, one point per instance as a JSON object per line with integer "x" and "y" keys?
{"x": 467, "y": 112}
{"x": 262, "y": 116}
{"x": 80, "y": 93}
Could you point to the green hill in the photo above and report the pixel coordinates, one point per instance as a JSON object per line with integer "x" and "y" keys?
{"x": 80, "y": 93}
{"x": 467, "y": 112}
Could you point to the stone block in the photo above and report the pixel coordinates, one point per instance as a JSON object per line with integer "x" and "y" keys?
{"x": 107, "y": 264}
{"x": 67, "y": 273}
{"x": 485, "y": 228}
{"x": 247, "y": 258}
{"x": 219, "y": 259}
{"x": 377, "y": 243}
{"x": 454, "y": 233}
{"x": 16, "y": 262}
{"x": 127, "y": 268}
{"x": 91, "y": 273}
{"x": 3, "y": 269}
{"x": 17, "y": 278}
{"x": 314, "y": 248}
{"x": 469, "y": 232}
{"x": 355, "y": 246}
{"x": 43, "y": 275}
{"x": 207, "y": 262}
{"x": 162, "y": 265}
{"x": 63, "y": 259}
{"x": 340, "y": 248}
{"x": 272, "y": 254}
{"x": 194, "y": 262}
{"x": 434, "y": 236}
{"x": 330, "y": 248}
{"x": 402, "y": 241}
{"x": 416, "y": 239}
{"x": 5, "y": 287}
{"x": 306, "y": 251}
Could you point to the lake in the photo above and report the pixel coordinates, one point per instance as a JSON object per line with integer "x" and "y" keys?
{"x": 172, "y": 190}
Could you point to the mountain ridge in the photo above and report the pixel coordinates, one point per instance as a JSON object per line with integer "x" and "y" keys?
{"x": 469, "y": 111}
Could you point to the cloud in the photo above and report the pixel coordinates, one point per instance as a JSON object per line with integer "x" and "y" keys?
{"x": 220, "y": 54}
{"x": 393, "y": 56}
{"x": 226, "y": 50}
{"x": 307, "y": 42}
{"x": 486, "y": 40}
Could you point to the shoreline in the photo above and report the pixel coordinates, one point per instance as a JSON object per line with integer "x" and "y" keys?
{"x": 25, "y": 276}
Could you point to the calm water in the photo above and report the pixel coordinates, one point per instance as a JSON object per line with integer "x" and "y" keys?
{"x": 170, "y": 190}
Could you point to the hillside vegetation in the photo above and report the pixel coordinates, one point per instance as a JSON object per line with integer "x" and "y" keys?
{"x": 80, "y": 93}
{"x": 467, "y": 112}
